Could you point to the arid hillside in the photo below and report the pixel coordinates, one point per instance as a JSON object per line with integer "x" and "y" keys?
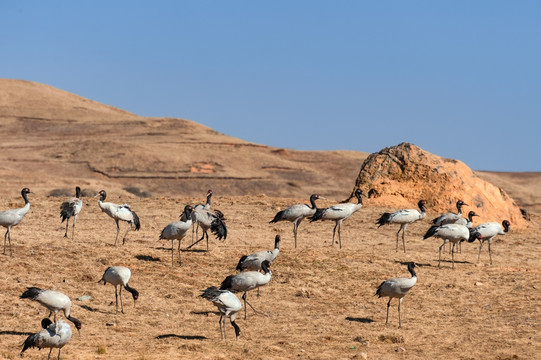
{"x": 54, "y": 139}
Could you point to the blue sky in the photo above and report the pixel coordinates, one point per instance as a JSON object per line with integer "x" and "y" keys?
{"x": 460, "y": 79}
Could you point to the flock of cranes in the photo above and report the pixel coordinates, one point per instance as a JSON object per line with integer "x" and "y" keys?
{"x": 254, "y": 269}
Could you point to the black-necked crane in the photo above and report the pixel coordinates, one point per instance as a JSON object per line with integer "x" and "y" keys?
{"x": 296, "y": 213}
{"x": 253, "y": 261}
{"x": 468, "y": 222}
{"x": 487, "y": 232}
{"x": 70, "y": 209}
{"x": 205, "y": 206}
{"x": 119, "y": 275}
{"x": 227, "y": 303}
{"x": 450, "y": 217}
{"x": 12, "y": 217}
{"x": 119, "y": 212}
{"x": 338, "y": 213}
{"x": 246, "y": 281}
{"x": 53, "y": 336}
{"x": 54, "y": 301}
{"x": 453, "y": 233}
{"x": 404, "y": 217}
{"x": 215, "y": 221}
{"x": 177, "y": 231}
{"x": 397, "y": 288}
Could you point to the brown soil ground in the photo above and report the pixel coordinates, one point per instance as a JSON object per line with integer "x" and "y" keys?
{"x": 320, "y": 303}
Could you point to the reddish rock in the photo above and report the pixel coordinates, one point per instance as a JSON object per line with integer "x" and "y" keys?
{"x": 399, "y": 176}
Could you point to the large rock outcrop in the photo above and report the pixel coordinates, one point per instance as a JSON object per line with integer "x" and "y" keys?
{"x": 399, "y": 176}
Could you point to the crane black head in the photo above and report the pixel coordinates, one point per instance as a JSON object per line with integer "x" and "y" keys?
{"x": 506, "y": 225}
{"x": 25, "y": 191}
{"x": 265, "y": 266}
{"x": 45, "y": 322}
{"x": 77, "y": 192}
{"x": 102, "y": 195}
{"x": 421, "y": 204}
{"x": 460, "y": 203}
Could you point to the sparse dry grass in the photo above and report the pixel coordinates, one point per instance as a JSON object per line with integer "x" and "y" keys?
{"x": 320, "y": 302}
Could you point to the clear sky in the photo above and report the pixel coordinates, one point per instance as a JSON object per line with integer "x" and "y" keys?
{"x": 460, "y": 79}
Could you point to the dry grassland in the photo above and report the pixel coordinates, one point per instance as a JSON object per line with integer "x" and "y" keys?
{"x": 320, "y": 303}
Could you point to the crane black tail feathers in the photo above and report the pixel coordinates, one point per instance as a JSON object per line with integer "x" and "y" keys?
{"x": 378, "y": 291}
{"x": 218, "y": 228}
{"x": 30, "y": 342}
{"x": 277, "y": 217}
{"x": 66, "y": 211}
{"x": 317, "y": 216}
{"x": 384, "y": 219}
{"x": 31, "y": 293}
{"x": 240, "y": 266}
{"x": 136, "y": 220}
{"x": 431, "y": 232}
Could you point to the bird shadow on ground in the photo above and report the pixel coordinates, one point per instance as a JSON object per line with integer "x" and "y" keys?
{"x": 147, "y": 258}
{"x": 204, "y": 312}
{"x": 193, "y": 250}
{"x": 88, "y": 308}
{"x": 183, "y": 337}
{"x": 11, "y": 332}
{"x": 361, "y": 320}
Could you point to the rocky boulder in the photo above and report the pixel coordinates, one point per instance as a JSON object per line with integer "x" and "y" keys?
{"x": 399, "y": 176}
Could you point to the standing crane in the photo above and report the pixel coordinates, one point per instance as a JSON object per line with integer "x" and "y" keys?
{"x": 70, "y": 209}
{"x": 403, "y": 217}
{"x": 397, "y": 288}
{"x": 338, "y": 213}
{"x": 205, "y": 206}
{"x": 487, "y": 232}
{"x": 296, "y": 213}
{"x": 119, "y": 212}
{"x": 215, "y": 221}
{"x": 453, "y": 233}
{"x": 450, "y": 217}
{"x": 12, "y": 217}
{"x": 177, "y": 231}
{"x": 253, "y": 261}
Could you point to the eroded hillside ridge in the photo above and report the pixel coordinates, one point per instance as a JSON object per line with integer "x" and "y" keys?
{"x": 401, "y": 175}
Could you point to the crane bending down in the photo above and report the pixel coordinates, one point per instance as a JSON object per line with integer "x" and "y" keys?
{"x": 227, "y": 303}
{"x": 54, "y": 301}
{"x": 119, "y": 275}
{"x": 70, "y": 209}
{"x": 296, "y": 213}
{"x": 177, "y": 231}
{"x": 119, "y": 212}
{"x": 12, "y": 217}
{"x": 52, "y": 336}
{"x": 397, "y": 288}
{"x": 246, "y": 281}
{"x": 338, "y": 213}
{"x": 403, "y": 217}
{"x": 487, "y": 232}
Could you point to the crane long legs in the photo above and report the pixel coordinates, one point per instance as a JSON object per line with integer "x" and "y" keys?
{"x": 7, "y": 236}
